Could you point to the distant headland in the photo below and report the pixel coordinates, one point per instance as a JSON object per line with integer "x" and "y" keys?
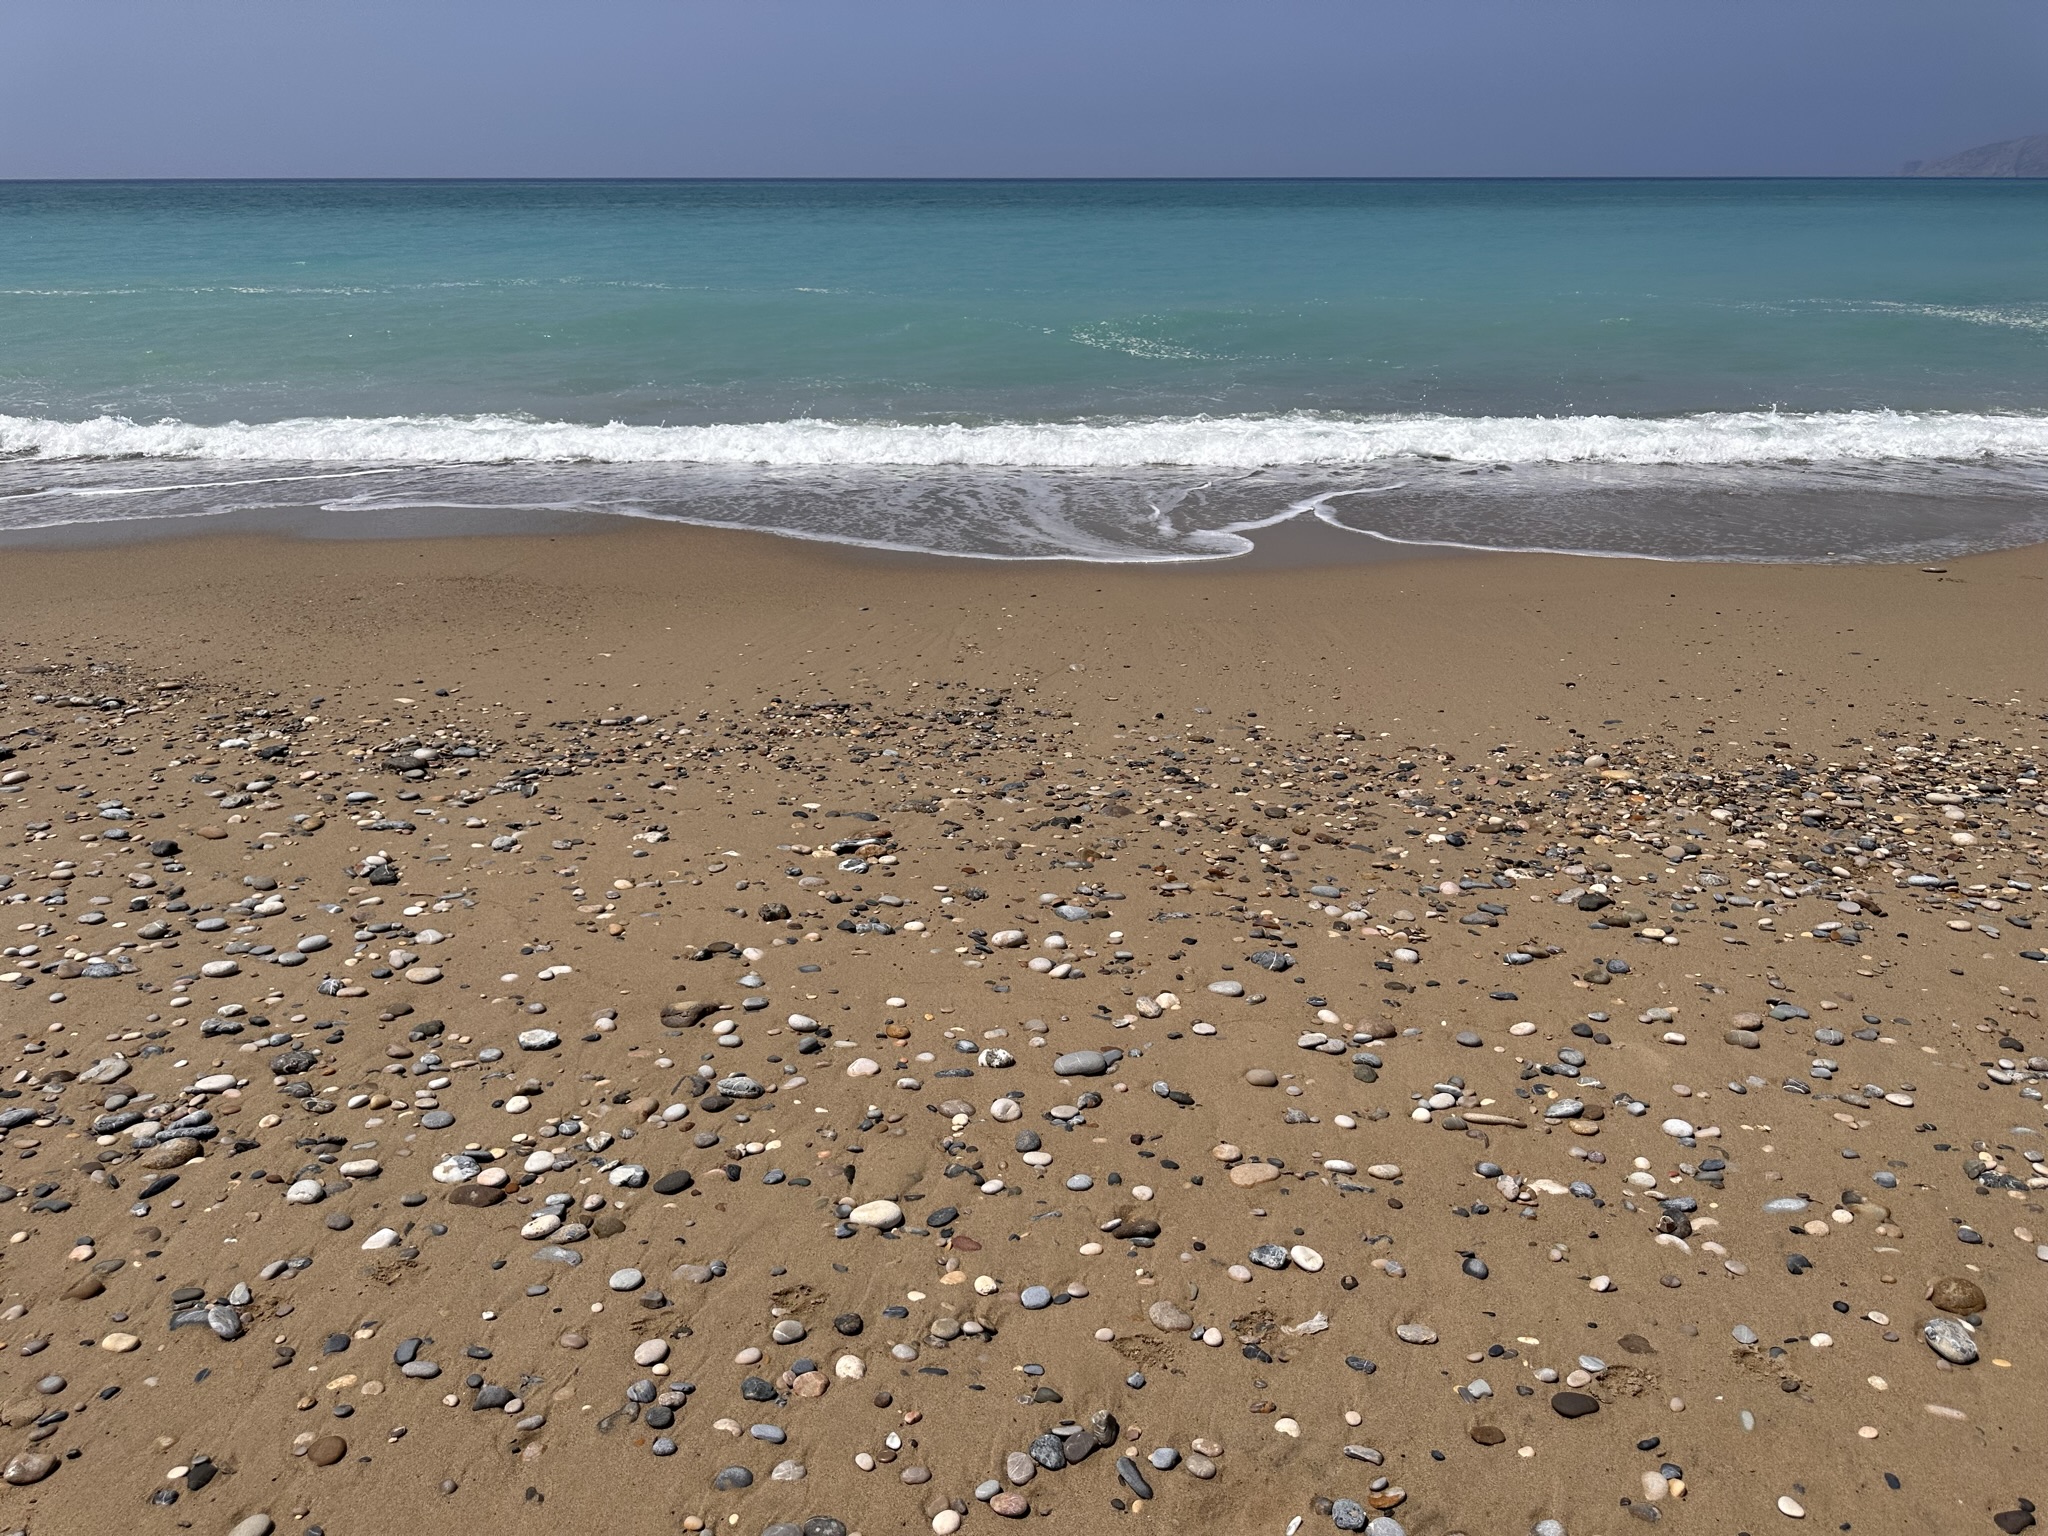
{"x": 2008, "y": 157}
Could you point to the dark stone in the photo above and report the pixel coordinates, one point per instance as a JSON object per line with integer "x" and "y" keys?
{"x": 1574, "y": 1405}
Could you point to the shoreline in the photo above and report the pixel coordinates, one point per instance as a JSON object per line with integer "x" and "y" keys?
{"x": 1301, "y": 541}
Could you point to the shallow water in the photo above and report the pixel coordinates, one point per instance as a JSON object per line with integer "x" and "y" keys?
{"x": 1094, "y": 370}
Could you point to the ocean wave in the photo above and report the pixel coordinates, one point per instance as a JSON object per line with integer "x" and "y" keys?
{"x": 1296, "y": 440}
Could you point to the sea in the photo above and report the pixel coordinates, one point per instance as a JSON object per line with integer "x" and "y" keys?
{"x": 1100, "y": 371}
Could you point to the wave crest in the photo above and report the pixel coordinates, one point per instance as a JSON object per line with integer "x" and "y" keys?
{"x": 1297, "y": 440}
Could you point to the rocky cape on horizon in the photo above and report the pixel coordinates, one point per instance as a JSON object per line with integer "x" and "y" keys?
{"x": 2009, "y": 157}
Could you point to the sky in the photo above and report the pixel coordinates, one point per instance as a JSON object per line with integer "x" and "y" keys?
{"x": 288, "y": 88}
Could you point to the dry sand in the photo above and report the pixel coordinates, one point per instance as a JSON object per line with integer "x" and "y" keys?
{"x": 665, "y": 766}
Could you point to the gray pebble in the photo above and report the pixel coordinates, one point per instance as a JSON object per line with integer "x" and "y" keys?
{"x": 1950, "y": 1339}
{"x": 1049, "y": 1451}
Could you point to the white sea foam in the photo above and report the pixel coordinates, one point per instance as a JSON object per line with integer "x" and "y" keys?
{"x": 1300, "y": 440}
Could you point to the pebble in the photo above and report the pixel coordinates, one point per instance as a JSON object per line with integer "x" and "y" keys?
{"x": 1168, "y": 1318}
{"x": 1950, "y": 1339}
{"x": 1954, "y": 1293}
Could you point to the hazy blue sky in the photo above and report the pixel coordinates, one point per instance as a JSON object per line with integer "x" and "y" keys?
{"x": 1025, "y": 88}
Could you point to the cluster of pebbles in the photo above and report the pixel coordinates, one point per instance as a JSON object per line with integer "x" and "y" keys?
{"x": 873, "y": 1114}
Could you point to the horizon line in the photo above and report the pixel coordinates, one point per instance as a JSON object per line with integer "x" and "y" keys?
{"x": 1900, "y": 175}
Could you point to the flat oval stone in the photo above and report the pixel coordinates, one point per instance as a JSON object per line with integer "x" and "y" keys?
{"x": 1950, "y": 1339}
{"x": 1574, "y": 1405}
{"x": 1168, "y": 1318}
{"x": 327, "y": 1450}
{"x": 1080, "y": 1064}
{"x": 25, "y": 1467}
{"x": 878, "y": 1214}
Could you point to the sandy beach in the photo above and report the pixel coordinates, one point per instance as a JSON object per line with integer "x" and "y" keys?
{"x": 652, "y": 1030}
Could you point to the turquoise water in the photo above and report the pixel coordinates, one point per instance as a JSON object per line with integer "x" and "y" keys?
{"x": 1101, "y": 370}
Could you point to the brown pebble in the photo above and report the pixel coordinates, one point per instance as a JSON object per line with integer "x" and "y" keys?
{"x": 572, "y": 1340}
{"x": 1486, "y": 1434}
{"x": 475, "y": 1194}
{"x": 883, "y": 1399}
{"x": 327, "y": 1450}
{"x": 1574, "y": 1405}
{"x": 1953, "y": 1293}
{"x": 1011, "y": 1506}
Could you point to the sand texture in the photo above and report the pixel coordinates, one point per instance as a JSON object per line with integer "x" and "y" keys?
{"x": 659, "y": 1031}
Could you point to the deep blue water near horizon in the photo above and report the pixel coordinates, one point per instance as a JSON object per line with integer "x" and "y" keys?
{"x": 1102, "y": 370}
